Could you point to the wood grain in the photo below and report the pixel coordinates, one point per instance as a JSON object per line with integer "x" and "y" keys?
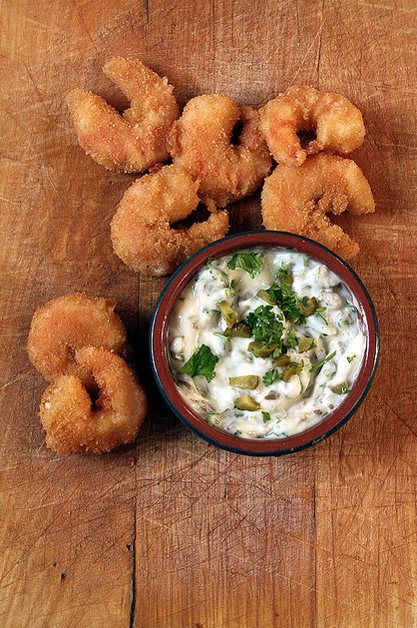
{"x": 172, "y": 531}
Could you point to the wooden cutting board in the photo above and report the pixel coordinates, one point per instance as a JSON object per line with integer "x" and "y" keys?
{"x": 172, "y": 531}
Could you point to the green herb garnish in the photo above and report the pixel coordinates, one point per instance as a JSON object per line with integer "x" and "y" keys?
{"x": 265, "y": 325}
{"x": 252, "y": 263}
{"x": 285, "y": 275}
{"x": 270, "y": 377}
{"x": 350, "y": 358}
{"x": 318, "y": 365}
{"x": 266, "y": 416}
{"x": 290, "y": 341}
{"x": 285, "y": 298}
{"x": 202, "y": 362}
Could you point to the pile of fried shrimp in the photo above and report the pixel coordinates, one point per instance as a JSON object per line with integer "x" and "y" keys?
{"x": 194, "y": 157}
{"x": 94, "y": 401}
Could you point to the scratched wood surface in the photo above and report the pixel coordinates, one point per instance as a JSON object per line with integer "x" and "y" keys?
{"x": 172, "y": 531}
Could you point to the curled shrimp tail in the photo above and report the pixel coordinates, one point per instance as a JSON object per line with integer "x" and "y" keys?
{"x": 201, "y": 142}
{"x": 142, "y": 232}
{"x": 68, "y": 323}
{"x": 338, "y": 124}
{"x": 299, "y": 198}
{"x": 136, "y": 140}
{"x": 73, "y": 423}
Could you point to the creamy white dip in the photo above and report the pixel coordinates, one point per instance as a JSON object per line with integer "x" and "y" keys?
{"x": 302, "y": 352}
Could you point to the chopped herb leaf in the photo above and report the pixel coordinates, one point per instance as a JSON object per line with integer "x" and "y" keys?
{"x": 291, "y": 340}
{"x": 220, "y": 335}
{"x": 318, "y": 365}
{"x": 285, "y": 298}
{"x": 252, "y": 263}
{"x": 202, "y": 362}
{"x": 270, "y": 377}
{"x": 266, "y": 417}
{"x": 350, "y": 358}
{"x": 265, "y": 325}
{"x": 285, "y": 276}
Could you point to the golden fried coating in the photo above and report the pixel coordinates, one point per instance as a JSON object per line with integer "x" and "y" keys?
{"x": 73, "y": 423}
{"x": 200, "y": 141}
{"x": 141, "y": 230}
{"x": 338, "y": 124}
{"x": 136, "y": 140}
{"x": 68, "y": 323}
{"x": 297, "y": 199}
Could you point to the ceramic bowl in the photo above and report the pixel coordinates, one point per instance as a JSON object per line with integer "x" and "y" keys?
{"x": 159, "y": 348}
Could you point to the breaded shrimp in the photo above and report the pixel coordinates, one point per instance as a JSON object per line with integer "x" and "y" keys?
{"x": 297, "y": 199}
{"x": 68, "y": 323}
{"x": 73, "y": 423}
{"x": 136, "y": 140}
{"x": 200, "y": 141}
{"x": 141, "y": 229}
{"x": 338, "y": 124}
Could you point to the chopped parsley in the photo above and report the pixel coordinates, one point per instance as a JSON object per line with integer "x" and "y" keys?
{"x": 285, "y": 275}
{"x": 285, "y": 298}
{"x": 266, "y": 417}
{"x": 318, "y": 365}
{"x": 252, "y": 263}
{"x": 291, "y": 340}
{"x": 265, "y": 326}
{"x": 270, "y": 377}
{"x": 350, "y": 358}
{"x": 202, "y": 362}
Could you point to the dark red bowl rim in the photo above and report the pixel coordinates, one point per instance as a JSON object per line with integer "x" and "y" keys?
{"x": 160, "y": 360}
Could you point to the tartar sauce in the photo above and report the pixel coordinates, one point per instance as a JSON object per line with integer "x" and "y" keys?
{"x": 265, "y": 343}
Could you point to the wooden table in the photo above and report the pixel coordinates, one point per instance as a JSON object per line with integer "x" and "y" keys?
{"x": 172, "y": 531}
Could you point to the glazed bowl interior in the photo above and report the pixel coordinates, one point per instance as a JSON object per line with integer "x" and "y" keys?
{"x": 159, "y": 343}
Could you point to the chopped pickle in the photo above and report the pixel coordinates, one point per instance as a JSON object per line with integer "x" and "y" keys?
{"x": 308, "y": 306}
{"x": 228, "y": 314}
{"x": 281, "y": 360}
{"x": 265, "y": 296}
{"x": 305, "y": 343}
{"x": 244, "y": 381}
{"x": 340, "y": 389}
{"x": 261, "y": 349}
{"x": 246, "y": 402}
{"x": 240, "y": 330}
{"x": 292, "y": 369}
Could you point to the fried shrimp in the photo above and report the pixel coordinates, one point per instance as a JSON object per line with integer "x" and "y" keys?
{"x": 200, "y": 141}
{"x": 136, "y": 140}
{"x": 74, "y": 423}
{"x": 338, "y": 124}
{"x": 141, "y": 229}
{"x": 68, "y": 323}
{"x": 297, "y": 199}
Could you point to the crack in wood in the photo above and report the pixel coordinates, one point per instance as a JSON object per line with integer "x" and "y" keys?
{"x": 133, "y": 584}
